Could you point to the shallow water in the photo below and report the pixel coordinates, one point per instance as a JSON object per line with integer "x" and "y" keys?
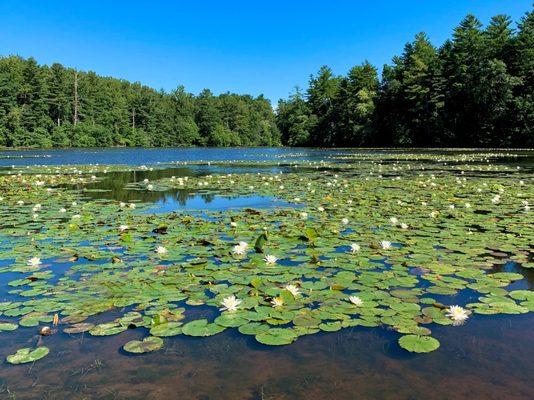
{"x": 491, "y": 357}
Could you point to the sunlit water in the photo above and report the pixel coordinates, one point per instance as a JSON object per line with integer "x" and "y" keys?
{"x": 491, "y": 357}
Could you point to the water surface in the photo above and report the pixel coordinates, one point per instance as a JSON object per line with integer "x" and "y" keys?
{"x": 491, "y": 357}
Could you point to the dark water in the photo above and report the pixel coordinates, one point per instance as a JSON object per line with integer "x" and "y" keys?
{"x": 491, "y": 357}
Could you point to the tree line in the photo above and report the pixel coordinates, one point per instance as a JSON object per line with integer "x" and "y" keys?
{"x": 476, "y": 90}
{"x": 55, "y": 106}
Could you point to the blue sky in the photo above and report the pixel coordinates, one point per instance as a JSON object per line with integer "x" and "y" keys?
{"x": 238, "y": 46}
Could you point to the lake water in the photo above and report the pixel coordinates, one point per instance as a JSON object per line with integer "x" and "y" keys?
{"x": 488, "y": 358}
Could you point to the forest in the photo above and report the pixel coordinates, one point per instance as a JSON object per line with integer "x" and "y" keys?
{"x": 475, "y": 90}
{"x": 55, "y": 106}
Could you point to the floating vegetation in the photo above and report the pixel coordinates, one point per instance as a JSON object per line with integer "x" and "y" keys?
{"x": 27, "y": 355}
{"x": 406, "y": 243}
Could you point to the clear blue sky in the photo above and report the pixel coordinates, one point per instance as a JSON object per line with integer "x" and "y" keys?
{"x": 240, "y": 46}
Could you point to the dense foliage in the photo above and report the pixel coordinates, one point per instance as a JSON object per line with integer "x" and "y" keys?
{"x": 56, "y": 106}
{"x": 475, "y": 90}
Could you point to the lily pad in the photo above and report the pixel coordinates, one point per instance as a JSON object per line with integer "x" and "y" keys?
{"x": 418, "y": 344}
{"x": 27, "y": 355}
{"x": 146, "y": 345}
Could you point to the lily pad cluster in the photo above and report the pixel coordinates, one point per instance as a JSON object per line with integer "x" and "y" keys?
{"x": 376, "y": 243}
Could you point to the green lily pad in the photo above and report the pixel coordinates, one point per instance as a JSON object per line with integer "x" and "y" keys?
{"x": 201, "y": 327}
{"x": 27, "y": 355}
{"x": 418, "y": 344}
{"x": 146, "y": 345}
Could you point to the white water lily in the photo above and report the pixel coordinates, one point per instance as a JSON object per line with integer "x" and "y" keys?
{"x": 394, "y": 220}
{"x": 239, "y": 250}
{"x": 355, "y": 300}
{"x": 458, "y": 315}
{"x": 20, "y": 202}
{"x": 161, "y": 250}
{"x": 496, "y": 199}
{"x": 277, "y": 302}
{"x": 37, "y": 207}
{"x": 294, "y": 290}
{"x": 131, "y": 206}
{"x": 404, "y": 225}
{"x": 76, "y": 216}
{"x": 34, "y": 262}
{"x": 354, "y": 247}
{"x": 321, "y": 209}
{"x": 270, "y": 259}
{"x": 230, "y": 303}
{"x": 150, "y": 187}
{"x": 123, "y": 228}
{"x": 345, "y": 221}
{"x": 233, "y": 224}
{"x": 385, "y": 244}
{"x": 433, "y": 214}
{"x": 303, "y": 215}
{"x": 62, "y": 210}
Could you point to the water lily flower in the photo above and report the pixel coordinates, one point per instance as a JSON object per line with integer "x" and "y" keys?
{"x": 76, "y": 216}
{"x": 496, "y": 199}
{"x": 355, "y": 300}
{"x": 34, "y": 262}
{"x": 230, "y": 303}
{"x": 277, "y": 302}
{"x": 233, "y": 224}
{"x": 150, "y": 187}
{"x": 122, "y": 204}
{"x": 37, "y": 207}
{"x": 161, "y": 250}
{"x": 131, "y": 206}
{"x": 404, "y": 225}
{"x": 270, "y": 259}
{"x": 62, "y": 210}
{"x": 239, "y": 250}
{"x": 303, "y": 215}
{"x": 20, "y": 202}
{"x": 385, "y": 244}
{"x": 123, "y": 228}
{"x": 321, "y": 209}
{"x": 294, "y": 290}
{"x": 354, "y": 247}
{"x": 458, "y": 315}
{"x": 433, "y": 214}
{"x": 394, "y": 220}
{"x": 345, "y": 221}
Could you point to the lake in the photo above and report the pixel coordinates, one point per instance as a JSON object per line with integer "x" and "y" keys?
{"x": 458, "y": 228}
